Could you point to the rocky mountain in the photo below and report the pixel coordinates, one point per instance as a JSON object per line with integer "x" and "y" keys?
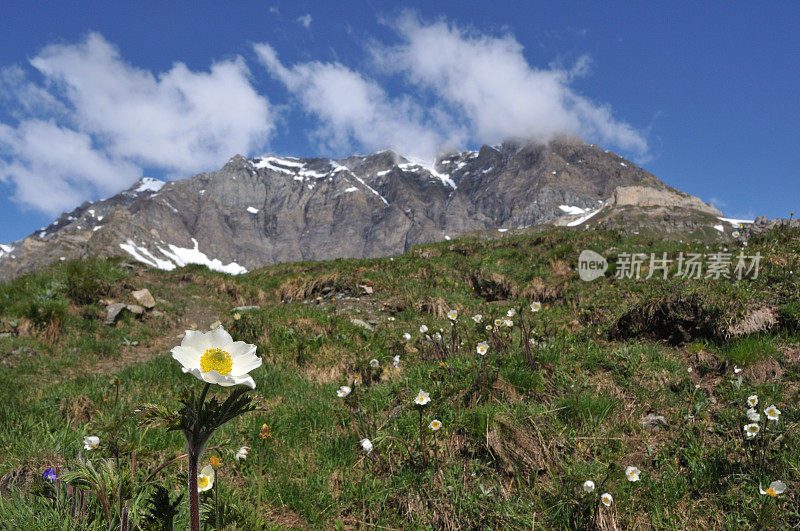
{"x": 269, "y": 209}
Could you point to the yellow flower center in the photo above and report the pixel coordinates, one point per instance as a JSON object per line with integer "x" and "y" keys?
{"x": 772, "y": 492}
{"x": 216, "y": 359}
{"x": 202, "y": 481}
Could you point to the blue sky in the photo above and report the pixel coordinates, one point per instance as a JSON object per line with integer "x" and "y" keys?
{"x": 94, "y": 95}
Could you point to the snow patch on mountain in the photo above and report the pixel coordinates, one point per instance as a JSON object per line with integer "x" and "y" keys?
{"x": 737, "y": 223}
{"x": 585, "y": 218}
{"x": 148, "y": 184}
{"x": 572, "y": 210}
{"x": 179, "y": 257}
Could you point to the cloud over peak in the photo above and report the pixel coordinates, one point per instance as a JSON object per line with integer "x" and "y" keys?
{"x": 126, "y": 120}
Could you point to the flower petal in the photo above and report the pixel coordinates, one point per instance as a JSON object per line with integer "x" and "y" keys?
{"x": 186, "y": 356}
{"x": 219, "y": 338}
{"x": 196, "y": 340}
{"x": 245, "y": 363}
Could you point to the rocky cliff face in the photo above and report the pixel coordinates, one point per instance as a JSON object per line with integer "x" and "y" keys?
{"x": 264, "y": 210}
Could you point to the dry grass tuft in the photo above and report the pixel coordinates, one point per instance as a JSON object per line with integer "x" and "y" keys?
{"x": 757, "y": 320}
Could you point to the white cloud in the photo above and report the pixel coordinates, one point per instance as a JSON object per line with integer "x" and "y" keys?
{"x": 460, "y": 87}
{"x": 355, "y": 111}
{"x": 305, "y": 20}
{"x": 113, "y": 114}
{"x": 488, "y": 81}
{"x": 55, "y": 168}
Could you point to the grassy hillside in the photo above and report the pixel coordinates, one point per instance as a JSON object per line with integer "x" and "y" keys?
{"x": 566, "y": 394}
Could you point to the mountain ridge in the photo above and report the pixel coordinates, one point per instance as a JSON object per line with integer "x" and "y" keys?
{"x": 270, "y": 209}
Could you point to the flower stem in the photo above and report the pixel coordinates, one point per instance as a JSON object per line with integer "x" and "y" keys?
{"x": 194, "y": 450}
{"x": 194, "y": 495}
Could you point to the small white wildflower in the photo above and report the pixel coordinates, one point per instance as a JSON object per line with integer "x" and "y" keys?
{"x": 435, "y": 425}
{"x": 752, "y": 415}
{"x": 396, "y": 361}
{"x": 511, "y": 313}
{"x": 536, "y": 306}
{"x": 452, "y": 315}
{"x": 483, "y": 348}
{"x": 205, "y": 479}
{"x": 775, "y": 488}
{"x": 422, "y": 398}
{"x": 772, "y": 413}
{"x": 477, "y": 318}
{"x": 437, "y": 336}
{"x": 242, "y": 453}
{"x": 508, "y": 322}
{"x": 488, "y": 328}
{"x": 752, "y": 400}
{"x": 91, "y": 442}
{"x": 632, "y": 473}
{"x": 423, "y": 329}
{"x": 390, "y": 318}
{"x": 498, "y": 322}
{"x": 407, "y": 336}
{"x": 343, "y": 391}
{"x": 751, "y": 430}
{"x": 736, "y": 369}
{"x": 588, "y": 486}
{"x": 374, "y": 363}
{"x": 366, "y": 444}
{"x": 215, "y": 324}
{"x": 607, "y": 499}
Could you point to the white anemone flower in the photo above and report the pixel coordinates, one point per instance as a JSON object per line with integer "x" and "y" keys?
{"x": 343, "y": 391}
{"x": 752, "y": 400}
{"x": 205, "y": 479}
{"x": 435, "y": 425}
{"x": 488, "y": 328}
{"x": 374, "y": 363}
{"x": 772, "y": 413}
{"x": 752, "y": 415}
{"x": 775, "y": 488}
{"x": 452, "y": 315}
{"x": 396, "y": 360}
{"x": 736, "y": 369}
{"x": 242, "y": 453}
{"x": 366, "y": 444}
{"x": 407, "y": 336}
{"x": 588, "y": 486}
{"x": 214, "y": 357}
{"x": 91, "y": 442}
{"x": 483, "y": 348}
{"x": 751, "y": 430}
{"x": 477, "y": 318}
{"x": 508, "y": 322}
{"x": 511, "y": 313}
{"x": 423, "y": 329}
{"x": 535, "y": 307}
{"x": 437, "y": 336}
{"x": 607, "y": 499}
{"x": 498, "y": 322}
{"x": 215, "y": 324}
{"x": 422, "y": 398}
{"x": 735, "y": 234}
{"x": 632, "y": 473}
{"x": 390, "y": 318}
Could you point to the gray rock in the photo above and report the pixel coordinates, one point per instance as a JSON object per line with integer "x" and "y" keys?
{"x": 156, "y": 313}
{"x": 144, "y": 298}
{"x": 653, "y": 422}
{"x": 113, "y": 311}
{"x": 135, "y": 309}
{"x": 362, "y": 324}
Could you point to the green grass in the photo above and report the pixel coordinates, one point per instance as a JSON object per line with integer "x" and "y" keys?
{"x": 520, "y": 434}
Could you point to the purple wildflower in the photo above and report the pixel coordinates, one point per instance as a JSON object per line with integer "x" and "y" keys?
{"x": 50, "y": 474}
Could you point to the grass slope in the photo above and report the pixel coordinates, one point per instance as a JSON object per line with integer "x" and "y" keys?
{"x": 558, "y": 399}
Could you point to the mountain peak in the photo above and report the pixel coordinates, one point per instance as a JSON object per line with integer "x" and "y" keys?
{"x": 270, "y": 208}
